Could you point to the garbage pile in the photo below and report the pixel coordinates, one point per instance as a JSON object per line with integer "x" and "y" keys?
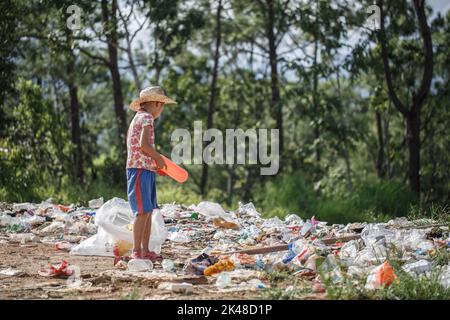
{"x": 234, "y": 249}
{"x": 47, "y": 222}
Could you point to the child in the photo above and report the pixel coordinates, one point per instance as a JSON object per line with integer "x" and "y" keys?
{"x": 142, "y": 162}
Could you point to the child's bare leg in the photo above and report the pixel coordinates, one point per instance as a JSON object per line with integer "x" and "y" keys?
{"x": 138, "y": 230}
{"x": 146, "y": 233}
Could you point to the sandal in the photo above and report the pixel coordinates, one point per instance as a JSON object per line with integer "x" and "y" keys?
{"x": 136, "y": 255}
{"x": 154, "y": 257}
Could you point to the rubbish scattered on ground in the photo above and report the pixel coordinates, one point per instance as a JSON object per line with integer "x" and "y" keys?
{"x": 222, "y": 265}
{"x": 96, "y": 203}
{"x": 222, "y": 223}
{"x": 23, "y": 237}
{"x": 418, "y": 267}
{"x": 61, "y": 271}
{"x": 140, "y": 265}
{"x": 168, "y": 265}
{"x": 63, "y": 245}
{"x": 228, "y": 250}
{"x": 179, "y": 236}
{"x": 223, "y": 280}
{"x": 12, "y": 272}
{"x": 381, "y": 276}
{"x": 184, "y": 287}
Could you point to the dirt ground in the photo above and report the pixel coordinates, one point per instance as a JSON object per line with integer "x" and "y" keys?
{"x": 99, "y": 278}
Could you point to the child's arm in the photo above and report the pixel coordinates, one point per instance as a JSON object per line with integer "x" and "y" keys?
{"x": 149, "y": 150}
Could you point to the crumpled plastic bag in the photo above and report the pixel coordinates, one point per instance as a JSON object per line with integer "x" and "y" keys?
{"x": 293, "y": 219}
{"x": 248, "y": 209}
{"x": 112, "y": 220}
{"x": 381, "y": 276}
{"x": 373, "y": 233}
{"x": 212, "y": 209}
{"x": 349, "y": 250}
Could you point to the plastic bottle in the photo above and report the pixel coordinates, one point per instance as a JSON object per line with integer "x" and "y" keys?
{"x": 260, "y": 264}
{"x": 64, "y": 246}
{"x": 183, "y": 287}
{"x": 223, "y": 280}
{"x": 257, "y": 284}
{"x": 418, "y": 267}
{"x": 24, "y": 237}
{"x": 140, "y": 265}
{"x": 194, "y": 215}
{"x": 168, "y": 265}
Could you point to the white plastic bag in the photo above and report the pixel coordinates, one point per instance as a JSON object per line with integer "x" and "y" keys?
{"x": 248, "y": 209}
{"x": 96, "y": 203}
{"x": 212, "y": 209}
{"x": 112, "y": 219}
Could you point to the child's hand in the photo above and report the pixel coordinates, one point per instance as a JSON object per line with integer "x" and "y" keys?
{"x": 160, "y": 164}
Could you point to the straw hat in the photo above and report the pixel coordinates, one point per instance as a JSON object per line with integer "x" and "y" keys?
{"x": 151, "y": 94}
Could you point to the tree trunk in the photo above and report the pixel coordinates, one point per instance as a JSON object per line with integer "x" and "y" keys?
{"x": 315, "y": 98}
{"x": 74, "y": 113}
{"x": 213, "y": 94}
{"x": 273, "y": 57}
{"x": 111, "y": 35}
{"x": 348, "y": 170}
{"x": 411, "y": 113}
{"x": 156, "y": 64}
{"x": 230, "y": 184}
{"x": 386, "y": 137}
{"x": 413, "y": 142}
{"x": 380, "y": 165}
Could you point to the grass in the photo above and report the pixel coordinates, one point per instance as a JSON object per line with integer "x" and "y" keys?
{"x": 284, "y": 286}
{"x": 435, "y": 212}
{"x": 441, "y": 257}
{"x": 405, "y": 287}
{"x": 135, "y": 294}
{"x": 371, "y": 200}
{"x": 415, "y": 288}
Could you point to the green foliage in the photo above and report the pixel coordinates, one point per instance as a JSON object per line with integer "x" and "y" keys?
{"x": 329, "y": 101}
{"x": 33, "y": 152}
{"x": 373, "y": 200}
{"x": 286, "y": 194}
{"x": 169, "y": 191}
{"x": 415, "y": 288}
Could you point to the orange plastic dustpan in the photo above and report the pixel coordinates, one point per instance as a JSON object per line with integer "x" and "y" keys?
{"x": 174, "y": 171}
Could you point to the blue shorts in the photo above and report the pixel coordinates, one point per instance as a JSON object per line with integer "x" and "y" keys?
{"x": 141, "y": 189}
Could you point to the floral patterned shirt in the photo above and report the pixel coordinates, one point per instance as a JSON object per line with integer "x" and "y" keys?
{"x": 135, "y": 157}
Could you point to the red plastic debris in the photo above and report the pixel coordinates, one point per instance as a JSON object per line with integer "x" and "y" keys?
{"x": 62, "y": 271}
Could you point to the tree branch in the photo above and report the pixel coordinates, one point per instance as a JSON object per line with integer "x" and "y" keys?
{"x": 101, "y": 59}
{"x": 419, "y": 6}
{"x": 387, "y": 69}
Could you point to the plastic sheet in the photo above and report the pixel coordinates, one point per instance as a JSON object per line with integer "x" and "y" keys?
{"x": 112, "y": 219}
